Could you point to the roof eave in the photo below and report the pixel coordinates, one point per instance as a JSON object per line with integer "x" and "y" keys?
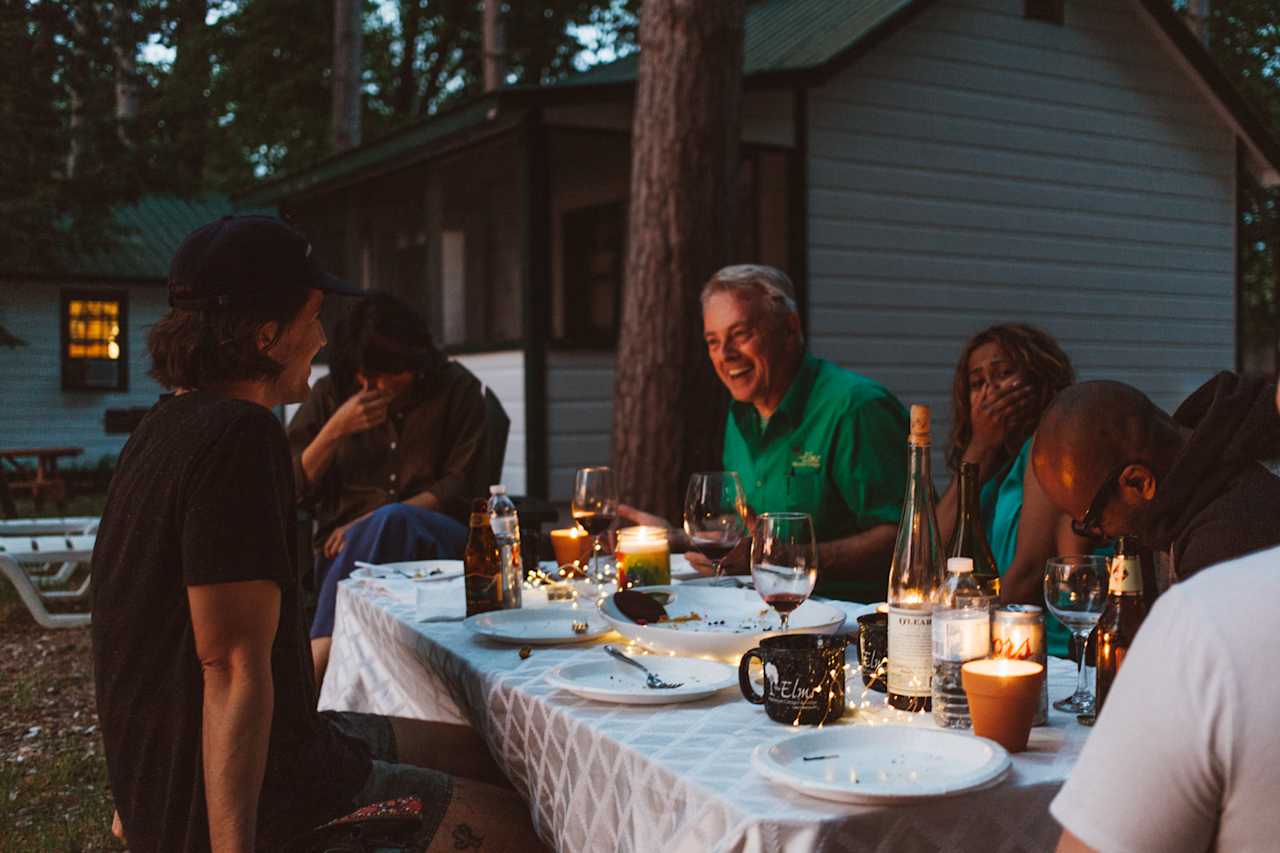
{"x": 492, "y": 113}
{"x": 1262, "y": 149}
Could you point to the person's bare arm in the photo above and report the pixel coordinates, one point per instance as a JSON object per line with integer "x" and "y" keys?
{"x": 234, "y": 626}
{"x": 862, "y": 556}
{"x": 362, "y": 411}
{"x": 1068, "y": 843}
{"x": 676, "y": 538}
{"x": 1043, "y": 532}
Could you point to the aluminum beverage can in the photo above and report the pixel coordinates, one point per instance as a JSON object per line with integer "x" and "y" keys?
{"x": 1017, "y": 632}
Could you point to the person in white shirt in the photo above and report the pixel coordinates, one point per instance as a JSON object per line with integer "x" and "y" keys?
{"x": 1186, "y": 754}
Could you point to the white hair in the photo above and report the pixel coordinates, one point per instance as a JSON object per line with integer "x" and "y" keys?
{"x": 769, "y": 285}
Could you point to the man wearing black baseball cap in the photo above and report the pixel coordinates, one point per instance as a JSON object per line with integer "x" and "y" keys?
{"x": 205, "y": 688}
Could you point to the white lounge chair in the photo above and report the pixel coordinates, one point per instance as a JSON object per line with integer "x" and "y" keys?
{"x": 40, "y": 557}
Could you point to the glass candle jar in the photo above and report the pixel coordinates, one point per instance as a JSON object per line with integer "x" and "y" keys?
{"x": 643, "y": 556}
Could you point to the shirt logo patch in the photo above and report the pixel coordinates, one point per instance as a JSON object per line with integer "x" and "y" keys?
{"x": 807, "y": 460}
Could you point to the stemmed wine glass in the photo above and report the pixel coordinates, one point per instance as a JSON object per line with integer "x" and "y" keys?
{"x": 715, "y": 515}
{"x": 594, "y": 507}
{"x": 784, "y": 560}
{"x": 1075, "y": 588}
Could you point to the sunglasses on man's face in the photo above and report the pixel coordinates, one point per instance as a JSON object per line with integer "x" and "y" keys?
{"x": 1090, "y": 527}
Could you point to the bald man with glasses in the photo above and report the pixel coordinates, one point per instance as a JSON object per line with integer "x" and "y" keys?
{"x": 1192, "y": 485}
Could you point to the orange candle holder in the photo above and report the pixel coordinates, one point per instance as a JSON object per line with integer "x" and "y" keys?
{"x": 1003, "y": 697}
{"x": 572, "y": 547}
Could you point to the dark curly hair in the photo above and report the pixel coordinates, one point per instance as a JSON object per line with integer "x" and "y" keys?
{"x": 380, "y": 334}
{"x": 1033, "y": 352}
{"x": 198, "y": 349}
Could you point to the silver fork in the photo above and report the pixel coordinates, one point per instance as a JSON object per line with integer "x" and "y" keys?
{"x": 650, "y": 679}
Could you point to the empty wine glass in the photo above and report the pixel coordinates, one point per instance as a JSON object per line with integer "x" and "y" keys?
{"x": 594, "y": 507}
{"x": 715, "y": 515}
{"x": 1075, "y": 589}
{"x": 784, "y": 560}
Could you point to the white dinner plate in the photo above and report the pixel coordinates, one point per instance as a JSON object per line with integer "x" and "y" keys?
{"x": 882, "y": 764}
{"x": 543, "y": 626}
{"x": 609, "y": 680}
{"x": 417, "y": 570}
{"x": 730, "y": 621}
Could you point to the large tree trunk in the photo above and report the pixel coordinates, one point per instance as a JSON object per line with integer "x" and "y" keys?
{"x": 124, "y": 49}
{"x": 78, "y": 78}
{"x": 493, "y": 44}
{"x": 406, "y": 78}
{"x": 188, "y": 110}
{"x": 348, "y": 45}
{"x": 668, "y": 418}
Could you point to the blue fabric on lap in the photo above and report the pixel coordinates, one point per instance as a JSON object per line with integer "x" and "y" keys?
{"x": 391, "y": 534}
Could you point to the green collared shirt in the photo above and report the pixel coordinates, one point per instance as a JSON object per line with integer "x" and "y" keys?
{"x": 836, "y": 448}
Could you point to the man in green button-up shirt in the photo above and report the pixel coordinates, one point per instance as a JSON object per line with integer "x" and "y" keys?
{"x": 803, "y": 434}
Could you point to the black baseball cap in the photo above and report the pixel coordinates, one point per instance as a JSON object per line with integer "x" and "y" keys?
{"x": 236, "y": 260}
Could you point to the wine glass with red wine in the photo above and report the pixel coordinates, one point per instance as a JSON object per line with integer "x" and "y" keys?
{"x": 784, "y": 560}
{"x": 715, "y": 515}
{"x": 594, "y": 507}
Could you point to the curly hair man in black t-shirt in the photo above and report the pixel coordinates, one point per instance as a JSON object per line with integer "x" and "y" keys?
{"x": 206, "y": 693}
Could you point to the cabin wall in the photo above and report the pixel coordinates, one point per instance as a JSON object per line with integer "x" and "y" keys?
{"x": 37, "y": 412}
{"x": 982, "y": 168}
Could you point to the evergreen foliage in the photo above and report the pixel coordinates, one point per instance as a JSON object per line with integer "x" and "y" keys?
{"x": 228, "y": 92}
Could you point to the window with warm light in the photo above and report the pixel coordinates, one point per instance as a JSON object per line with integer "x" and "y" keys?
{"x": 94, "y": 353}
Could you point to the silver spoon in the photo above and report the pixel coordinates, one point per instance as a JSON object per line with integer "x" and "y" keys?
{"x": 651, "y": 680}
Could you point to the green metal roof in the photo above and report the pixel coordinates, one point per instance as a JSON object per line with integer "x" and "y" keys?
{"x": 152, "y": 229}
{"x": 781, "y": 36}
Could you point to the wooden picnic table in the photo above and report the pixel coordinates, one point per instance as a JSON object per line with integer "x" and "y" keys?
{"x": 46, "y": 482}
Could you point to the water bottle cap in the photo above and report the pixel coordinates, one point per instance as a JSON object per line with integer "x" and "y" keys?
{"x": 497, "y": 490}
{"x": 959, "y": 565}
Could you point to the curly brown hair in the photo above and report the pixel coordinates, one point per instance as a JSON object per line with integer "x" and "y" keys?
{"x": 1033, "y": 352}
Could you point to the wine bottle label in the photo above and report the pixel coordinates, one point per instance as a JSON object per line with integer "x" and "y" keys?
{"x": 960, "y": 635}
{"x": 1126, "y": 575}
{"x": 910, "y": 652}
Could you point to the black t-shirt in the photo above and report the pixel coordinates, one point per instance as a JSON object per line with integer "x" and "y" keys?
{"x": 203, "y": 494}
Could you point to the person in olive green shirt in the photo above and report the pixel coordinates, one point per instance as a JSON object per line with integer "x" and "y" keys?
{"x": 803, "y": 434}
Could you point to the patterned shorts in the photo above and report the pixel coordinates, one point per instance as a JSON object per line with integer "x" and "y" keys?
{"x": 389, "y": 780}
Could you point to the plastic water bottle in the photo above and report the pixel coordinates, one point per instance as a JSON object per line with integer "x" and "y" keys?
{"x": 505, "y": 523}
{"x": 961, "y": 632}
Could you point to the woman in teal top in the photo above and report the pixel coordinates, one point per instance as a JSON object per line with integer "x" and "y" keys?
{"x": 1005, "y": 379}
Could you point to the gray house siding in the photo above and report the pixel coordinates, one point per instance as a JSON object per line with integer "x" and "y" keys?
{"x": 503, "y": 372}
{"x": 580, "y": 416}
{"x": 37, "y": 412}
{"x": 979, "y": 168}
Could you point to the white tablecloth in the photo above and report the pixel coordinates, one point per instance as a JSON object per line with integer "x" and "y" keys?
{"x": 673, "y": 778}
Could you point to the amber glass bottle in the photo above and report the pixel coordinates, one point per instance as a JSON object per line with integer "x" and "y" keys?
{"x": 480, "y": 563}
{"x": 1122, "y": 616}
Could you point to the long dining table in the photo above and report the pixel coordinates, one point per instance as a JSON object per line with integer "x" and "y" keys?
{"x": 608, "y": 777}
